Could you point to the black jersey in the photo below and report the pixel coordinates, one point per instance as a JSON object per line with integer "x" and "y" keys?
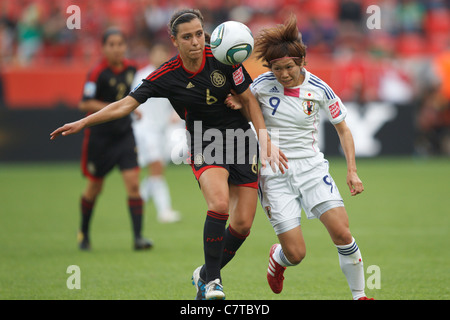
{"x": 198, "y": 96}
{"x": 108, "y": 84}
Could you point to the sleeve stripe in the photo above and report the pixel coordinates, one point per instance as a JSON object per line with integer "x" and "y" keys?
{"x": 170, "y": 66}
{"x": 315, "y": 81}
{"x": 263, "y": 78}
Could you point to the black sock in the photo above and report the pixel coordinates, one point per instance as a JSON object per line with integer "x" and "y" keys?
{"x": 213, "y": 236}
{"x": 135, "y": 206}
{"x": 86, "y": 214}
{"x": 233, "y": 241}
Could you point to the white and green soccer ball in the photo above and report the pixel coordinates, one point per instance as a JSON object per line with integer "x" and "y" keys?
{"x": 232, "y": 42}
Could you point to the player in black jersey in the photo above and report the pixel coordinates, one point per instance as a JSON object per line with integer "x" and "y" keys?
{"x": 197, "y": 86}
{"x": 110, "y": 144}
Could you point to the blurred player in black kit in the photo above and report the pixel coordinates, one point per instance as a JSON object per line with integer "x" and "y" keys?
{"x": 110, "y": 144}
{"x": 197, "y": 85}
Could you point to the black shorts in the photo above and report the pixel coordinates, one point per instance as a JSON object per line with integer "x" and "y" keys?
{"x": 237, "y": 154}
{"x": 101, "y": 153}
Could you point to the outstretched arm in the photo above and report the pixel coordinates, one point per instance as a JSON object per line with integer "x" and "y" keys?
{"x": 346, "y": 138}
{"x": 113, "y": 111}
{"x": 91, "y": 105}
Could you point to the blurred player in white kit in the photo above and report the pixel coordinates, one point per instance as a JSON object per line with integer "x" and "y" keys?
{"x": 153, "y": 130}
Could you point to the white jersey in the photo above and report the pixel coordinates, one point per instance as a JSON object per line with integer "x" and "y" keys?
{"x": 154, "y": 131}
{"x": 292, "y": 114}
{"x": 156, "y": 112}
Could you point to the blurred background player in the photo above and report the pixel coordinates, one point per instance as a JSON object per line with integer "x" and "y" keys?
{"x": 110, "y": 144}
{"x": 152, "y": 130}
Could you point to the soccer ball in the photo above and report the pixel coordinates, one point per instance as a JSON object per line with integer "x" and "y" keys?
{"x": 232, "y": 42}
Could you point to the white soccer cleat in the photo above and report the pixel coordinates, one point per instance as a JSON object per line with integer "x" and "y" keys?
{"x": 214, "y": 290}
{"x": 169, "y": 216}
{"x": 199, "y": 284}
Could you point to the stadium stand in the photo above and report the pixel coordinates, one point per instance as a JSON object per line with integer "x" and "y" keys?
{"x": 39, "y": 52}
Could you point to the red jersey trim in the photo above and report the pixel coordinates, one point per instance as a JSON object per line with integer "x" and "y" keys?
{"x": 93, "y": 75}
{"x": 193, "y": 74}
{"x": 208, "y": 52}
{"x": 103, "y": 65}
{"x": 253, "y": 185}
{"x": 198, "y": 173}
{"x": 84, "y": 157}
{"x": 125, "y": 64}
{"x": 169, "y": 66}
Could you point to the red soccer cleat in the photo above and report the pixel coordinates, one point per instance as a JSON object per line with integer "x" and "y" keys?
{"x": 365, "y": 298}
{"x": 275, "y": 272}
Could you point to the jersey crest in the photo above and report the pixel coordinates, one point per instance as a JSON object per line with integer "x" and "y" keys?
{"x": 308, "y": 107}
{"x": 218, "y": 79}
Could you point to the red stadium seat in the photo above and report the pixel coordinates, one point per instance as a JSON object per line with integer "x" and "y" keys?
{"x": 411, "y": 44}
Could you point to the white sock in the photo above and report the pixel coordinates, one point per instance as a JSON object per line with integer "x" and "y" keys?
{"x": 160, "y": 194}
{"x": 352, "y": 266}
{"x": 145, "y": 189}
{"x": 280, "y": 258}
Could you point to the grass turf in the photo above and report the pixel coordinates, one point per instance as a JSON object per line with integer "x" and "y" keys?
{"x": 401, "y": 224}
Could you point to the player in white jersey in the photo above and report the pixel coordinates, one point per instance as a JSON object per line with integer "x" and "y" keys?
{"x": 152, "y": 131}
{"x": 290, "y": 98}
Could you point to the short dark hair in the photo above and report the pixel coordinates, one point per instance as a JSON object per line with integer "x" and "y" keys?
{"x": 111, "y": 31}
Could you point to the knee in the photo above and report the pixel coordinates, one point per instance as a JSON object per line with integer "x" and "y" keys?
{"x": 296, "y": 256}
{"x": 342, "y": 238}
{"x": 242, "y": 221}
{"x": 92, "y": 191}
{"x": 242, "y": 227}
{"x": 133, "y": 190}
{"x": 219, "y": 205}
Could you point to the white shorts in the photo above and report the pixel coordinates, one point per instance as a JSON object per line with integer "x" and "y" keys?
{"x": 307, "y": 185}
{"x": 150, "y": 143}
{"x": 155, "y": 143}
{"x": 153, "y": 131}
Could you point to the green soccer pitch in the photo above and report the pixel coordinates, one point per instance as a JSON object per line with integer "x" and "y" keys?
{"x": 401, "y": 224}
